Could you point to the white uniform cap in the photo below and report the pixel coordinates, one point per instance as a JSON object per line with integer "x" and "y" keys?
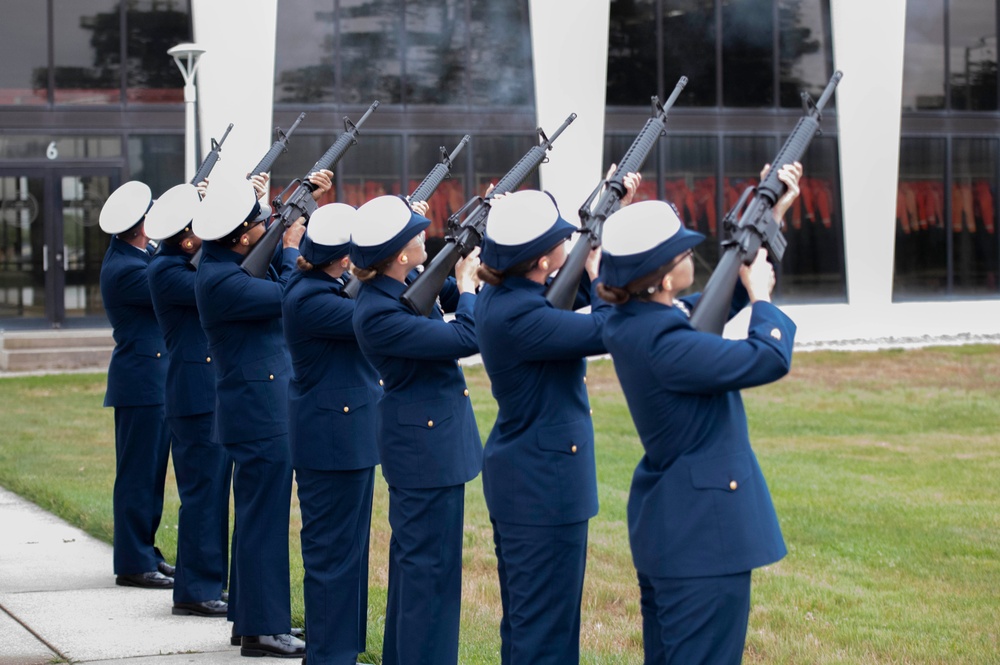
{"x": 228, "y": 202}
{"x": 331, "y": 224}
{"x": 125, "y": 207}
{"x": 172, "y": 212}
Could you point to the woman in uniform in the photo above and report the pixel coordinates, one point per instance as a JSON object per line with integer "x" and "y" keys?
{"x": 539, "y": 474}
{"x": 332, "y": 401}
{"x": 428, "y": 441}
{"x": 201, "y": 464}
{"x": 699, "y": 512}
{"x": 136, "y": 377}
{"x": 241, "y": 316}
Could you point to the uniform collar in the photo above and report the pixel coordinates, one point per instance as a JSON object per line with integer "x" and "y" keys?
{"x": 388, "y": 285}
{"x": 219, "y": 252}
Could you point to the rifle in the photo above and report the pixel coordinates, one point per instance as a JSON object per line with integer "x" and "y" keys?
{"x": 562, "y": 291}
{"x": 265, "y": 164}
{"x": 423, "y": 192}
{"x": 211, "y": 158}
{"x": 465, "y": 236}
{"x": 300, "y": 203}
{"x": 756, "y": 226}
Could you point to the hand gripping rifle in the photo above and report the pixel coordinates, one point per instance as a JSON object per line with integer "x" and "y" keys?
{"x": 756, "y": 226}
{"x": 465, "y": 236}
{"x": 264, "y": 166}
{"x": 562, "y": 291}
{"x": 423, "y": 192}
{"x": 300, "y": 203}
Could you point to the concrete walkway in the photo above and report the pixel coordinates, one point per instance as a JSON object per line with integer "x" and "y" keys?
{"x": 59, "y": 602}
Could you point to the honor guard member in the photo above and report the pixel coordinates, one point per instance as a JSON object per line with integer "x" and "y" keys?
{"x": 699, "y": 512}
{"x": 136, "y": 378}
{"x": 241, "y": 317}
{"x": 539, "y": 474}
{"x": 201, "y": 465}
{"x": 332, "y": 401}
{"x": 428, "y": 440}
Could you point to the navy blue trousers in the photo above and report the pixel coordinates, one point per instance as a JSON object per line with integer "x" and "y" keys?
{"x": 201, "y": 467}
{"x": 336, "y": 511}
{"x": 424, "y": 601}
{"x": 541, "y": 571}
{"x": 259, "y": 589}
{"x": 694, "y": 621}
{"x": 142, "y": 446}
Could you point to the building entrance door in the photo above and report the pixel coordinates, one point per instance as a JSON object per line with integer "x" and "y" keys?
{"x": 51, "y": 245}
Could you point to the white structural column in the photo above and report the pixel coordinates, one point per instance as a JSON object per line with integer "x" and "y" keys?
{"x": 236, "y": 78}
{"x": 569, "y": 43}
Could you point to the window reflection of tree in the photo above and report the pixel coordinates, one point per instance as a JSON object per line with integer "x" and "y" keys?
{"x": 152, "y": 27}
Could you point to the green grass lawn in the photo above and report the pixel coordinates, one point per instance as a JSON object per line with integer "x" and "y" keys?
{"x": 883, "y": 466}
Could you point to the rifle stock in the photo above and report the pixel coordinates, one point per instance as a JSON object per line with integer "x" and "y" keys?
{"x": 427, "y": 187}
{"x": 299, "y": 203}
{"x": 757, "y": 227}
{"x": 466, "y": 236}
{"x": 561, "y": 293}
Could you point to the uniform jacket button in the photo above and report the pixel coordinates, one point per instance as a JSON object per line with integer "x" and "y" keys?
{"x": 157, "y": 354}
{"x": 584, "y": 379}
{"x": 591, "y": 412}
{"x": 466, "y": 392}
{"x": 776, "y": 334}
{"x": 271, "y": 376}
{"x": 572, "y": 449}
{"x": 208, "y": 359}
{"x": 430, "y": 423}
{"x": 381, "y": 382}
{"x": 732, "y": 485}
{"x": 347, "y": 409}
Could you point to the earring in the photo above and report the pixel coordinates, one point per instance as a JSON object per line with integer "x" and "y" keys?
{"x": 188, "y": 244}
{"x": 670, "y": 285}
{"x": 404, "y": 259}
{"x": 244, "y": 241}
{"x": 544, "y": 265}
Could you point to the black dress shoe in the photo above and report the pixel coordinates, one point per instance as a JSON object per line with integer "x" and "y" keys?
{"x": 151, "y": 580}
{"x": 278, "y": 646}
{"x": 237, "y": 640}
{"x": 166, "y": 568}
{"x": 206, "y": 608}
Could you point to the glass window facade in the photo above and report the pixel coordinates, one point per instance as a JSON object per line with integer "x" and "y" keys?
{"x": 754, "y": 56}
{"x": 459, "y": 53}
{"x": 946, "y": 240}
{"x": 746, "y": 53}
{"x": 24, "y": 53}
{"x": 70, "y": 52}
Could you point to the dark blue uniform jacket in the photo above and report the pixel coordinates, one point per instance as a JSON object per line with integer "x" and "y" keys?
{"x": 334, "y": 391}
{"x": 427, "y": 431}
{"x": 699, "y": 505}
{"x": 538, "y": 466}
{"x": 241, "y": 316}
{"x": 190, "y": 373}
{"x": 138, "y": 369}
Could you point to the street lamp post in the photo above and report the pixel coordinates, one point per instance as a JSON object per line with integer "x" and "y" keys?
{"x": 186, "y": 56}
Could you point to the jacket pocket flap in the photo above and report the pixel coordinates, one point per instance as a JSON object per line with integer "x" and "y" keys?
{"x": 721, "y": 473}
{"x": 569, "y": 438}
{"x": 151, "y": 348}
{"x": 266, "y": 369}
{"x": 427, "y": 414}
{"x": 343, "y": 400}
